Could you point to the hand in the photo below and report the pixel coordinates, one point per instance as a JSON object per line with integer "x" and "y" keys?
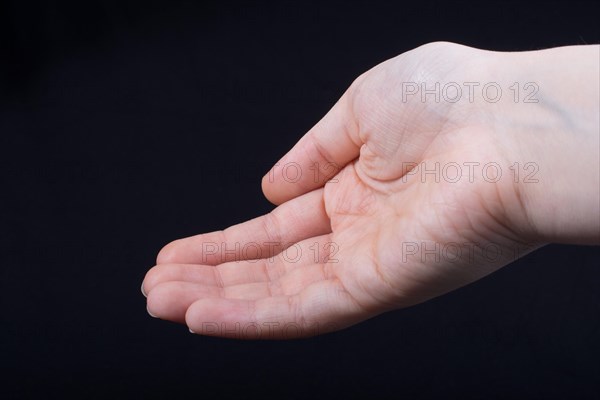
{"x": 365, "y": 224}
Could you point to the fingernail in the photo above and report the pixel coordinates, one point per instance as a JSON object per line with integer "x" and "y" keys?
{"x": 149, "y": 313}
{"x": 144, "y": 293}
{"x": 191, "y": 331}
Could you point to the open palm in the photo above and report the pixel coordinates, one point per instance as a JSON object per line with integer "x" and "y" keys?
{"x": 386, "y": 202}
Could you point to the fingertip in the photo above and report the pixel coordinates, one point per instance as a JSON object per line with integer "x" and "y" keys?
{"x": 266, "y": 187}
{"x": 217, "y": 317}
{"x": 150, "y": 280}
{"x": 194, "y": 317}
{"x": 150, "y": 313}
{"x": 158, "y": 302}
{"x": 278, "y": 189}
{"x": 168, "y": 254}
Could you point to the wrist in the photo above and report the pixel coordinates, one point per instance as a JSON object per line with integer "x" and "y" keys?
{"x": 555, "y": 141}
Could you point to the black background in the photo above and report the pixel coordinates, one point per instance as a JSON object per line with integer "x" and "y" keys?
{"x": 126, "y": 125}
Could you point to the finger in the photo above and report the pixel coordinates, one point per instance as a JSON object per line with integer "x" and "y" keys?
{"x": 192, "y": 273}
{"x": 324, "y": 150}
{"x": 170, "y": 300}
{"x": 322, "y": 307}
{"x": 309, "y": 251}
{"x": 260, "y": 237}
{"x": 173, "y": 288}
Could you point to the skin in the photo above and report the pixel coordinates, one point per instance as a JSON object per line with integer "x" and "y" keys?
{"x": 389, "y": 236}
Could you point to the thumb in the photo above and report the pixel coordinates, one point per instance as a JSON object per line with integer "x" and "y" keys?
{"x": 319, "y": 154}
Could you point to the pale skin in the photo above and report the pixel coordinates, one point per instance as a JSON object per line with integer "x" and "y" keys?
{"x": 368, "y": 234}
